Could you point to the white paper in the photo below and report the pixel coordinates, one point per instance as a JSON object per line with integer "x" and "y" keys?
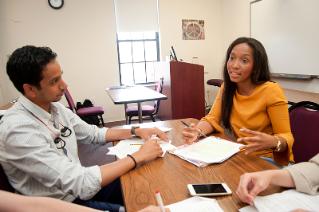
{"x": 123, "y": 151}
{"x": 165, "y": 129}
{"x": 210, "y": 150}
{"x": 124, "y": 147}
{"x": 287, "y": 201}
{"x": 248, "y": 208}
{"x": 195, "y": 204}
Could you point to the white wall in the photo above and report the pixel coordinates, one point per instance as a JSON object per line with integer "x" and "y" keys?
{"x": 236, "y": 23}
{"x": 81, "y": 33}
{"x": 84, "y": 37}
{"x": 208, "y": 50}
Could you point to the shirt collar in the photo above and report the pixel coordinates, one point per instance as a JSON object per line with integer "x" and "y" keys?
{"x": 37, "y": 111}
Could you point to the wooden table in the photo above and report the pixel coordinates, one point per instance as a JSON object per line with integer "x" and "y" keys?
{"x": 295, "y": 96}
{"x": 136, "y": 94}
{"x": 170, "y": 175}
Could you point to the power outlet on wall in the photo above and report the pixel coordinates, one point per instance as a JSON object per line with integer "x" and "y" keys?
{"x": 207, "y": 90}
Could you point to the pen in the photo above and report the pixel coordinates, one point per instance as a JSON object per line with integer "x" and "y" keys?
{"x": 189, "y": 126}
{"x": 159, "y": 201}
{"x": 142, "y": 144}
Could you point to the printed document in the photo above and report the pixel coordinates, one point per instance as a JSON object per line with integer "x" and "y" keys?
{"x": 207, "y": 151}
{"x": 125, "y": 147}
{"x": 195, "y": 204}
{"x": 286, "y": 201}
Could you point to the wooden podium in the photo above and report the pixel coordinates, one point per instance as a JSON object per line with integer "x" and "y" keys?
{"x": 184, "y": 88}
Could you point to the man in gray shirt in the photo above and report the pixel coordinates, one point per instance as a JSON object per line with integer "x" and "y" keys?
{"x": 38, "y": 138}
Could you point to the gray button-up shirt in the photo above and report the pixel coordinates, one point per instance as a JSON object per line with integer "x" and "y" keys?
{"x": 32, "y": 161}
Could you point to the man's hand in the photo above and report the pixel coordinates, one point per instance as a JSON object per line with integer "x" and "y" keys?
{"x": 148, "y": 151}
{"x": 146, "y": 133}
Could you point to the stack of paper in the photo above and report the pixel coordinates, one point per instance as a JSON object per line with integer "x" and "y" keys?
{"x": 207, "y": 151}
{"x": 195, "y": 204}
{"x": 125, "y": 147}
{"x": 286, "y": 201}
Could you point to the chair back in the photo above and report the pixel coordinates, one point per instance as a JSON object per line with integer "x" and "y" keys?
{"x": 215, "y": 82}
{"x": 304, "y": 127}
{"x": 159, "y": 89}
{"x": 4, "y": 182}
{"x": 69, "y": 99}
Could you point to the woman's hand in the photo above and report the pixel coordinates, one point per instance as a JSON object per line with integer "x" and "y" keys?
{"x": 259, "y": 141}
{"x": 190, "y": 134}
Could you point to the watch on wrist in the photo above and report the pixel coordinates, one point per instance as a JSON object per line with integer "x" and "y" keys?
{"x": 133, "y": 131}
{"x": 278, "y": 147}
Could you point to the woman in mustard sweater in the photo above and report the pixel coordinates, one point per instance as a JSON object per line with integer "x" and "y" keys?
{"x": 250, "y": 105}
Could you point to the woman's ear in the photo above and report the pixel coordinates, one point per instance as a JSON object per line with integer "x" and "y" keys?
{"x": 30, "y": 90}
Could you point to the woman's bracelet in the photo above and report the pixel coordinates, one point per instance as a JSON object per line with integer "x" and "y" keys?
{"x": 133, "y": 160}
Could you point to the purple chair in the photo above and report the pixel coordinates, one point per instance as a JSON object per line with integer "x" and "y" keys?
{"x": 87, "y": 111}
{"x": 4, "y": 182}
{"x": 304, "y": 127}
{"x": 147, "y": 110}
{"x": 215, "y": 82}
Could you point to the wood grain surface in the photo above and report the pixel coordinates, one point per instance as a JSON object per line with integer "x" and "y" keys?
{"x": 170, "y": 175}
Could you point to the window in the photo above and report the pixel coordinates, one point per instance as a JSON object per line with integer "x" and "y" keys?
{"x": 137, "y": 52}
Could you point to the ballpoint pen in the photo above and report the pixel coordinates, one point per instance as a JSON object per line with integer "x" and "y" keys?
{"x": 198, "y": 132}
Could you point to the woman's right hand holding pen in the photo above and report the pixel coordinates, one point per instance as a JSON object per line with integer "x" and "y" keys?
{"x": 190, "y": 134}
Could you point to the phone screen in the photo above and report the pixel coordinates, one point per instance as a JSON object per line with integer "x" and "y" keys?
{"x": 209, "y": 188}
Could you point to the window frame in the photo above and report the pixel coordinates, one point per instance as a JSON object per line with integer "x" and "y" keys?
{"x": 132, "y": 62}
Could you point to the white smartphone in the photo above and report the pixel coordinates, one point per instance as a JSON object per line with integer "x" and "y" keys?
{"x": 209, "y": 189}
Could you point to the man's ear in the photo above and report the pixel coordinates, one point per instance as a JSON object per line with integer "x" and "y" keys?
{"x": 30, "y": 90}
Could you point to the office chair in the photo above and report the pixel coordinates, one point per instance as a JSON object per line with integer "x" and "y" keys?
{"x": 304, "y": 127}
{"x": 86, "y": 111}
{"x": 147, "y": 110}
{"x": 215, "y": 82}
{"x": 4, "y": 182}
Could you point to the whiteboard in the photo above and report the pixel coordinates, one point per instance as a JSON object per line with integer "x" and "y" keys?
{"x": 289, "y": 30}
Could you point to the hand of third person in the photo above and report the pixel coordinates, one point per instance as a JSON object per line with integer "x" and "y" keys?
{"x": 251, "y": 184}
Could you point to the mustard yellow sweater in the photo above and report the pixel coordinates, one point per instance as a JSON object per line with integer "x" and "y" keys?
{"x": 265, "y": 111}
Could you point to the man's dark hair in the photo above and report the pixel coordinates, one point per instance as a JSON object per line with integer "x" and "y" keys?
{"x": 25, "y": 65}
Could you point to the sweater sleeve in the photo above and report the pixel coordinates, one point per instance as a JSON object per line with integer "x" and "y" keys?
{"x": 306, "y": 176}
{"x": 277, "y": 109}
{"x": 214, "y": 116}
